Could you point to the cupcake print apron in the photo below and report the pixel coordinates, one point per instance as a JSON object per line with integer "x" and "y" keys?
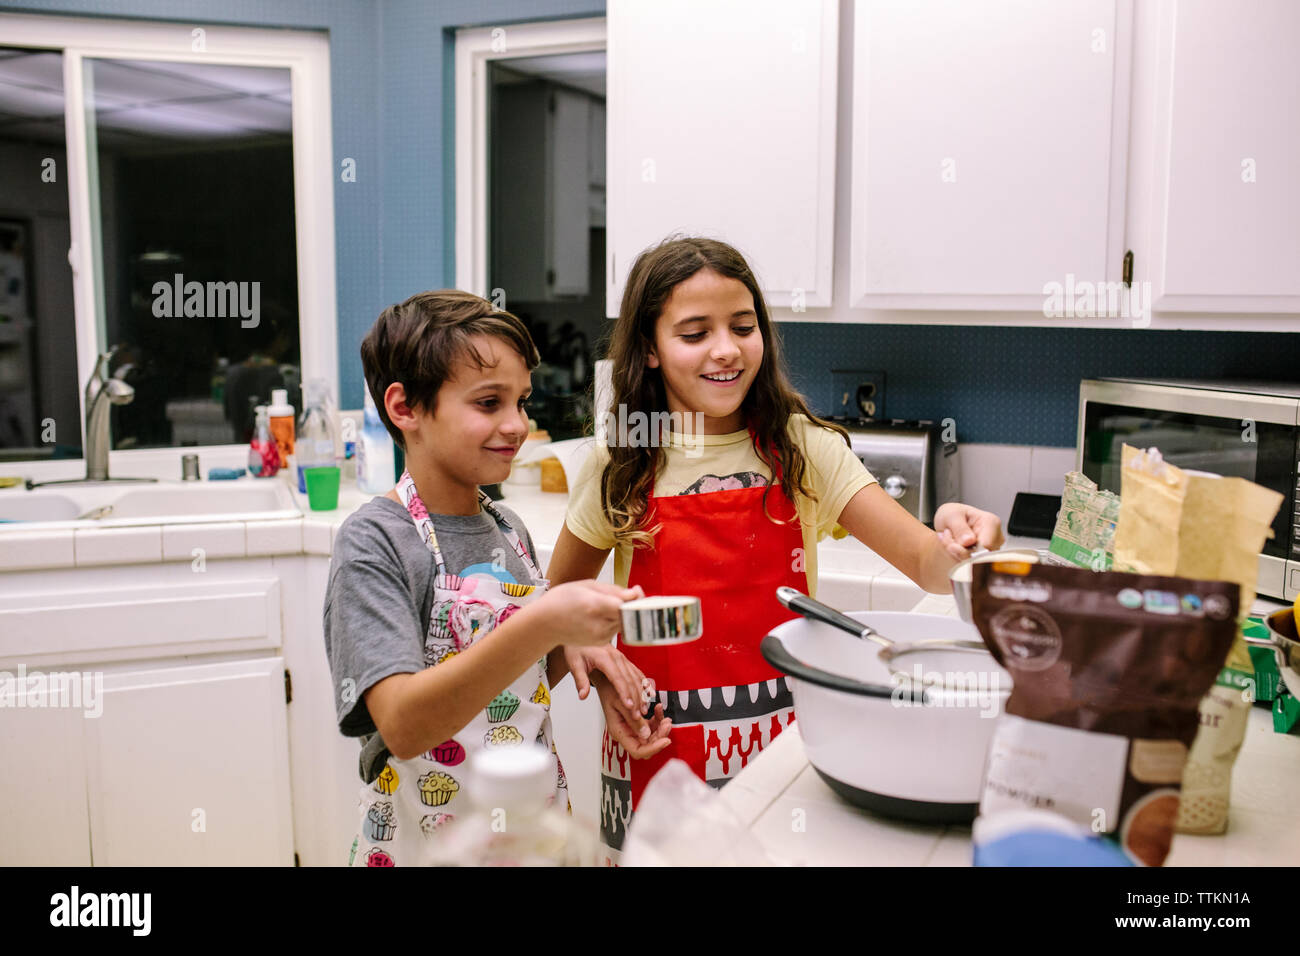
{"x": 403, "y": 809}
{"x": 725, "y": 701}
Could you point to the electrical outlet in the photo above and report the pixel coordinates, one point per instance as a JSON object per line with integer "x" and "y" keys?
{"x": 857, "y": 393}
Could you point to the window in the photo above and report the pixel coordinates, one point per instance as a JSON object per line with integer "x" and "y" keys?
{"x": 184, "y": 220}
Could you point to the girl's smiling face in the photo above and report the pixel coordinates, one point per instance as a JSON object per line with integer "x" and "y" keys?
{"x": 708, "y": 348}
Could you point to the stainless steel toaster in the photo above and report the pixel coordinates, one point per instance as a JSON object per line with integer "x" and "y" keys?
{"x": 910, "y": 459}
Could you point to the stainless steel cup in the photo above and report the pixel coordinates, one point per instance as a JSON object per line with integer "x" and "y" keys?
{"x": 662, "y": 620}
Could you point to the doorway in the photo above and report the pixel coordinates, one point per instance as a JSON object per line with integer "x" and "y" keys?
{"x": 531, "y": 198}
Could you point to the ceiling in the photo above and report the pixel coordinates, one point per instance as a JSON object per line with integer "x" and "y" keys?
{"x": 585, "y": 71}
{"x": 140, "y": 102}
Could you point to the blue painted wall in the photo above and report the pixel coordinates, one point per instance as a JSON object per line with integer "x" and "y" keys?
{"x": 391, "y": 82}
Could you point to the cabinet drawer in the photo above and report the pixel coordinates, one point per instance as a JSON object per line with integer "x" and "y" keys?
{"x": 128, "y": 623}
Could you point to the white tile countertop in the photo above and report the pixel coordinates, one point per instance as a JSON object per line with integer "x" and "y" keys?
{"x": 799, "y": 820}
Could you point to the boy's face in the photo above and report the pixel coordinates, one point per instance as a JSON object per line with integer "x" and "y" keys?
{"x": 479, "y": 420}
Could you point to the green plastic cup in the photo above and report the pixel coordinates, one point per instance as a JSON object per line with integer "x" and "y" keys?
{"x": 322, "y": 487}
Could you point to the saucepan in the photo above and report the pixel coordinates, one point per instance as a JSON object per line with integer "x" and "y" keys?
{"x": 904, "y": 748}
{"x": 1285, "y": 641}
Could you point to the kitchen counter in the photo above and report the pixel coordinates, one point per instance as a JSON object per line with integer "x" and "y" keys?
{"x": 798, "y": 819}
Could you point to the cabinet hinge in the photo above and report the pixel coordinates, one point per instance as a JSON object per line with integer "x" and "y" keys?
{"x": 296, "y": 861}
{"x": 550, "y": 277}
{"x": 1128, "y": 268}
{"x": 288, "y": 687}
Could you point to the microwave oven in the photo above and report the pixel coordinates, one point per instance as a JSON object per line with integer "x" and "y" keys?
{"x": 1245, "y": 429}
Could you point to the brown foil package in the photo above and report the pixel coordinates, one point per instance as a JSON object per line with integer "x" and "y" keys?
{"x": 1107, "y": 671}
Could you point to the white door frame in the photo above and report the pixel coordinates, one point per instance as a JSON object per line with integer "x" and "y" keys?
{"x": 306, "y": 56}
{"x": 474, "y": 48}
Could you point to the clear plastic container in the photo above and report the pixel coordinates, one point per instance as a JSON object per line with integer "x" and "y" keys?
{"x": 376, "y": 459}
{"x": 314, "y": 442}
{"x": 263, "y": 454}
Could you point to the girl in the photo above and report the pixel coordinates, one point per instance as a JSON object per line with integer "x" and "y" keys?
{"x": 728, "y": 506}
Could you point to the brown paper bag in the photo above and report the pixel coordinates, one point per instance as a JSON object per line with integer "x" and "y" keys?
{"x": 1194, "y": 525}
{"x": 1190, "y": 524}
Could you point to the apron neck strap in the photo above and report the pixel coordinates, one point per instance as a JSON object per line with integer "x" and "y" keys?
{"x": 415, "y": 507}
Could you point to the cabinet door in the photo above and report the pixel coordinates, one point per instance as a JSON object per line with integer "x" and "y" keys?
{"x": 189, "y": 766}
{"x": 43, "y": 787}
{"x": 989, "y": 150}
{"x": 722, "y": 123}
{"x": 1227, "y": 195}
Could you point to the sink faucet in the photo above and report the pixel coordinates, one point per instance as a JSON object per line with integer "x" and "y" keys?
{"x": 102, "y": 391}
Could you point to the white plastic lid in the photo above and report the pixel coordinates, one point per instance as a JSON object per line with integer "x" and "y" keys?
{"x": 520, "y": 777}
{"x": 279, "y": 396}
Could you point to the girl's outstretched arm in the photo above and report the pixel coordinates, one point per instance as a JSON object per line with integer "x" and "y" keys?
{"x": 925, "y": 556}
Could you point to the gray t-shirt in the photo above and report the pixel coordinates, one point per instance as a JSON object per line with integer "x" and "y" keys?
{"x": 380, "y": 596}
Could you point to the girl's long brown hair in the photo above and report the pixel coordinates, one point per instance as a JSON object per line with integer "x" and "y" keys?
{"x": 767, "y": 406}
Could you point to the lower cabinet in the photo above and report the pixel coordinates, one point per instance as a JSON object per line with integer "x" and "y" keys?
{"x": 143, "y": 717}
{"x": 173, "y": 766}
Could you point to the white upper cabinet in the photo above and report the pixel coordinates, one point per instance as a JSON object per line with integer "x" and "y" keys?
{"x": 722, "y": 123}
{"x": 989, "y": 150}
{"x": 1225, "y": 196}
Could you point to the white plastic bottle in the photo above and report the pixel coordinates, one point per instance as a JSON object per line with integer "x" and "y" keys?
{"x": 513, "y": 820}
{"x": 315, "y": 440}
{"x": 376, "y": 460}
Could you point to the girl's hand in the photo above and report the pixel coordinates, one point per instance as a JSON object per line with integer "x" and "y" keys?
{"x": 961, "y": 527}
{"x": 624, "y": 677}
{"x": 621, "y": 731}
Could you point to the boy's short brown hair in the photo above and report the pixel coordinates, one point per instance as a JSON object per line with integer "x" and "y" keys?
{"x": 420, "y": 341}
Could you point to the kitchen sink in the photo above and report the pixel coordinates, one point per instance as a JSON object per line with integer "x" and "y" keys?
{"x": 18, "y": 505}
{"x": 117, "y": 504}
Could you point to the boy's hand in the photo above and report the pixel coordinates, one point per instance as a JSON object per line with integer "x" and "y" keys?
{"x": 622, "y": 732}
{"x": 624, "y": 677}
{"x": 585, "y": 612}
{"x": 961, "y": 527}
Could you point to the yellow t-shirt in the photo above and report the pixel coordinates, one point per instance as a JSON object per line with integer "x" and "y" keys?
{"x": 693, "y": 465}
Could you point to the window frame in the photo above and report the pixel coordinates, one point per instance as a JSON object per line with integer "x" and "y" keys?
{"x": 306, "y": 56}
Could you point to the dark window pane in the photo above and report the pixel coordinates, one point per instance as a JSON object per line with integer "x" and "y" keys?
{"x": 199, "y": 258}
{"x": 39, "y": 406}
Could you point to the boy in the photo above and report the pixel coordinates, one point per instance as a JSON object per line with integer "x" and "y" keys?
{"x": 438, "y": 625}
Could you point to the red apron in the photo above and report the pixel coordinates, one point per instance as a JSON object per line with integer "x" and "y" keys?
{"x": 725, "y": 701}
